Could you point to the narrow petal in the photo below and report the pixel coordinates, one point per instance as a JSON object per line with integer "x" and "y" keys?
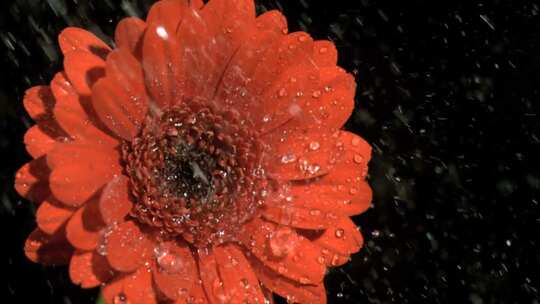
{"x": 282, "y": 82}
{"x": 196, "y": 295}
{"x": 133, "y": 288}
{"x": 162, "y": 65}
{"x": 120, "y": 99}
{"x": 48, "y": 249}
{"x": 174, "y": 270}
{"x": 89, "y": 269}
{"x": 37, "y": 142}
{"x": 283, "y": 250}
{"x": 273, "y": 21}
{"x": 344, "y": 238}
{"x": 127, "y": 247}
{"x": 32, "y": 180}
{"x": 288, "y": 289}
{"x": 300, "y": 156}
{"x": 115, "y": 203}
{"x": 239, "y": 281}
{"x": 337, "y": 197}
{"x": 331, "y": 103}
{"x": 299, "y": 217}
{"x": 73, "y": 113}
{"x": 83, "y": 70}
{"x": 232, "y": 89}
{"x": 293, "y": 49}
{"x": 324, "y": 53}
{"x": 80, "y": 170}
{"x": 343, "y": 190}
{"x": 51, "y": 216}
{"x": 110, "y": 102}
{"x": 128, "y": 34}
{"x": 77, "y": 39}
{"x": 83, "y": 230}
{"x": 167, "y": 14}
{"x": 210, "y": 38}
{"x": 39, "y": 102}
{"x": 211, "y": 281}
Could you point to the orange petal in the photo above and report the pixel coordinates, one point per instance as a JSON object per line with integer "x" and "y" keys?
{"x": 39, "y": 102}
{"x": 37, "y": 142}
{"x": 344, "y": 189}
{"x": 162, "y": 65}
{"x": 344, "y": 238}
{"x": 48, "y": 249}
{"x": 283, "y": 250}
{"x": 51, "y": 216}
{"x": 300, "y": 156}
{"x": 125, "y": 70}
{"x": 337, "y": 198}
{"x": 120, "y": 99}
{"x": 240, "y": 283}
{"x": 83, "y": 69}
{"x": 110, "y": 102}
{"x": 114, "y": 203}
{"x": 291, "y": 290}
{"x": 241, "y": 67}
{"x": 32, "y": 180}
{"x": 272, "y": 21}
{"x": 71, "y": 113}
{"x": 174, "y": 270}
{"x": 226, "y": 25}
{"x": 80, "y": 170}
{"x": 325, "y": 53}
{"x": 291, "y": 50}
{"x": 196, "y": 295}
{"x": 331, "y": 105}
{"x": 89, "y": 269}
{"x": 167, "y": 14}
{"x": 128, "y": 34}
{"x": 211, "y": 280}
{"x": 77, "y": 39}
{"x": 287, "y": 96}
{"x": 299, "y": 217}
{"x": 133, "y": 288}
{"x": 127, "y": 247}
{"x": 83, "y": 230}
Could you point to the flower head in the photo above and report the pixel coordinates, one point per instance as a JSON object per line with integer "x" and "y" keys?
{"x": 199, "y": 161}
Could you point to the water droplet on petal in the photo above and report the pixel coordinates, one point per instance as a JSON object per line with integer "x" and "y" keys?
{"x": 288, "y": 158}
{"x": 120, "y": 299}
{"x": 167, "y": 260}
{"x": 355, "y": 141}
{"x": 314, "y": 145}
{"x": 339, "y": 233}
{"x": 162, "y": 32}
{"x": 282, "y": 242}
{"x": 282, "y": 92}
{"x": 266, "y": 118}
{"x": 316, "y": 94}
{"x": 302, "y": 38}
{"x": 358, "y": 158}
{"x": 315, "y": 212}
{"x": 304, "y": 280}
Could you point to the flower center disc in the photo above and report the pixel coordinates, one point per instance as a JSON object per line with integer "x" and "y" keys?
{"x": 195, "y": 172}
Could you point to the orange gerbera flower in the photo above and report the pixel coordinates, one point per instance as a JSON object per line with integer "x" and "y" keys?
{"x": 198, "y": 161}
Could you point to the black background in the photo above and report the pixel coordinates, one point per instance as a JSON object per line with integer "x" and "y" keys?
{"x": 448, "y": 97}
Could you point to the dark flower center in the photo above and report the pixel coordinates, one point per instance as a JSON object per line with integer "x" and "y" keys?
{"x": 195, "y": 172}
